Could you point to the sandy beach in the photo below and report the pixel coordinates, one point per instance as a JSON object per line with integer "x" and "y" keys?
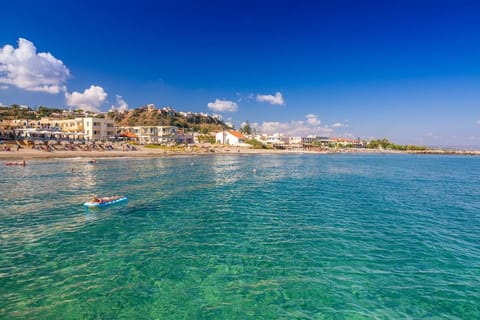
{"x": 140, "y": 152}
{"x": 145, "y": 152}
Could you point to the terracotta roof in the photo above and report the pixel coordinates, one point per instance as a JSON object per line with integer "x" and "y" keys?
{"x": 237, "y": 134}
{"x": 129, "y": 135}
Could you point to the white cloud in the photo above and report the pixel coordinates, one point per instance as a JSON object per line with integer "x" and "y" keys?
{"x": 121, "y": 104}
{"x": 338, "y": 125}
{"x": 478, "y": 122}
{"x": 223, "y": 106}
{"x": 90, "y": 100}
{"x": 26, "y": 69}
{"x": 295, "y": 128}
{"x": 276, "y": 99}
{"x": 312, "y": 119}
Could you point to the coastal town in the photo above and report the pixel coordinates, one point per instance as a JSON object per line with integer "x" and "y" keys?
{"x": 66, "y": 130}
{"x": 149, "y": 130}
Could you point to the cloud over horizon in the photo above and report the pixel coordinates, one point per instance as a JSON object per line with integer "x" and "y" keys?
{"x": 276, "y": 99}
{"x": 122, "y": 105}
{"x": 223, "y": 106}
{"x": 26, "y": 69}
{"x": 294, "y": 128}
{"x": 312, "y": 119}
{"x": 338, "y": 125}
{"x": 90, "y": 100}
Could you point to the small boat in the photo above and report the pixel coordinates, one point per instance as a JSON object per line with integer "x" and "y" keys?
{"x": 106, "y": 201}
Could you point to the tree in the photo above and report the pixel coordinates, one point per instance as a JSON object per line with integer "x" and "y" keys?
{"x": 246, "y": 129}
{"x": 379, "y": 143}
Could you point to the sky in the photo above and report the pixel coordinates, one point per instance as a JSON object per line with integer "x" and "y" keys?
{"x": 408, "y": 71}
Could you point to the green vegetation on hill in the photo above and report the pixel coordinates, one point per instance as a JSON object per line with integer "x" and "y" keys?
{"x": 17, "y": 112}
{"x": 142, "y": 116}
{"x": 167, "y": 117}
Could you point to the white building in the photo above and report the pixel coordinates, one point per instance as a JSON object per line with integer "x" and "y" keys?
{"x": 79, "y": 128}
{"x": 98, "y": 128}
{"x": 295, "y": 140}
{"x": 277, "y": 139}
{"x": 230, "y": 137}
{"x": 152, "y": 134}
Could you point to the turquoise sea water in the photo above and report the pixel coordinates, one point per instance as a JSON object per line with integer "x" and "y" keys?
{"x": 301, "y": 237}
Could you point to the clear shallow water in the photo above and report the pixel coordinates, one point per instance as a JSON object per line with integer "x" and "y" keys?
{"x": 303, "y": 237}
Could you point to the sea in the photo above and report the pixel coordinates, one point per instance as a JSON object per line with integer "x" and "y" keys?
{"x": 270, "y": 236}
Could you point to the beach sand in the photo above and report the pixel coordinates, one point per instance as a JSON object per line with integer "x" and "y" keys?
{"x": 140, "y": 152}
{"x": 143, "y": 152}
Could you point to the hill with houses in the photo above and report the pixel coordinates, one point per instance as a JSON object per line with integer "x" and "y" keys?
{"x": 147, "y": 115}
{"x": 151, "y": 124}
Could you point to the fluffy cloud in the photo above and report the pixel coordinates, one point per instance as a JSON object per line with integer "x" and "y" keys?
{"x": 121, "y": 104}
{"x": 26, "y": 69}
{"x": 276, "y": 99}
{"x": 295, "y": 128}
{"x": 300, "y": 128}
{"x": 223, "y": 106}
{"x": 91, "y": 99}
{"x": 338, "y": 125}
{"x": 478, "y": 122}
{"x": 312, "y": 119}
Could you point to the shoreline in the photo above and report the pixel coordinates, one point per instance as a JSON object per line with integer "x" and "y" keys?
{"x": 142, "y": 152}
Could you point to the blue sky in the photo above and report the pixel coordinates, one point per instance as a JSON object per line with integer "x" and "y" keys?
{"x": 404, "y": 70}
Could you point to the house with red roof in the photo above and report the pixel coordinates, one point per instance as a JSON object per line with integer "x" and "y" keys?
{"x": 230, "y": 137}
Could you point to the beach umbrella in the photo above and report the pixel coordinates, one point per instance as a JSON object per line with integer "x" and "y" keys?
{"x": 128, "y": 135}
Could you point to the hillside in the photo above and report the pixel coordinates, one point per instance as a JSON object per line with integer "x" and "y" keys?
{"x": 142, "y": 116}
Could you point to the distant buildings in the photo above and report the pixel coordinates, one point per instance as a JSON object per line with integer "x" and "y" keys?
{"x": 92, "y": 127}
{"x": 310, "y": 142}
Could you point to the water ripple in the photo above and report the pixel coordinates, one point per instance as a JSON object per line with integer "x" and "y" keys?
{"x": 308, "y": 237}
